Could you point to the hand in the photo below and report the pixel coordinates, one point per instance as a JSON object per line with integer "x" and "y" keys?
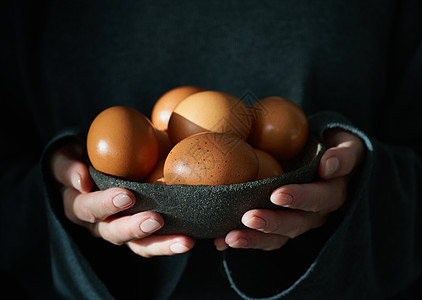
{"x": 97, "y": 210}
{"x": 309, "y": 204}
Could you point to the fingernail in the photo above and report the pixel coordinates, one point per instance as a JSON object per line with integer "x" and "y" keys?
{"x": 76, "y": 181}
{"x": 240, "y": 243}
{"x": 122, "y": 201}
{"x": 150, "y": 225}
{"x": 255, "y": 223}
{"x": 331, "y": 166}
{"x": 281, "y": 199}
{"x": 178, "y": 248}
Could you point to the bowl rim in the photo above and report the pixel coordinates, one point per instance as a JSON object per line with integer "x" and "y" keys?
{"x": 317, "y": 154}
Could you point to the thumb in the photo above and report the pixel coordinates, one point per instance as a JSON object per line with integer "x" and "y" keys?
{"x": 345, "y": 152}
{"x": 69, "y": 170}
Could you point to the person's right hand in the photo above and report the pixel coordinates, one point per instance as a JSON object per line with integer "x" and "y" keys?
{"x": 97, "y": 210}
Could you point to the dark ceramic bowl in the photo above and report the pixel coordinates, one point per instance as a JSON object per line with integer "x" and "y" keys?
{"x": 212, "y": 211}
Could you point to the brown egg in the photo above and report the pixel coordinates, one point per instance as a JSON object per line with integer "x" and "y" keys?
{"x": 211, "y": 159}
{"x": 156, "y": 175}
{"x": 122, "y": 142}
{"x": 165, "y": 105}
{"x": 268, "y": 165}
{"x": 210, "y": 111}
{"x": 164, "y": 144}
{"x": 280, "y": 127}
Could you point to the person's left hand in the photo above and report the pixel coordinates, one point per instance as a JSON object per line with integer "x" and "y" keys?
{"x": 309, "y": 204}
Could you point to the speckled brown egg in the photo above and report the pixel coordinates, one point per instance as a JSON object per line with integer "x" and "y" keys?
{"x": 122, "y": 142}
{"x": 211, "y": 159}
{"x": 210, "y": 111}
{"x": 280, "y": 127}
{"x": 268, "y": 165}
{"x": 165, "y": 105}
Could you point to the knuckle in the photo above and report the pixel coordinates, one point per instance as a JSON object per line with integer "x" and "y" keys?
{"x": 84, "y": 212}
{"x": 301, "y": 194}
{"x": 135, "y": 233}
{"x": 89, "y": 215}
{"x": 273, "y": 226}
{"x": 94, "y": 209}
{"x": 105, "y": 231}
{"x": 117, "y": 243}
{"x": 276, "y": 243}
{"x": 273, "y": 247}
{"x": 145, "y": 254}
{"x": 103, "y": 210}
{"x": 301, "y": 226}
{"x": 140, "y": 251}
{"x": 294, "y": 233}
{"x": 318, "y": 202}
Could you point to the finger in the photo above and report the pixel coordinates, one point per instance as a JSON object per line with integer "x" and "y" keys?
{"x": 345, "y": 152}
{"x": 220, "y": 244}
{"x": 252, "y": 239}
{"x": 96, "y": 206}
{"x": 158, "y": 245}
{"x": 326, "y": 196}
{"x": 70, "y": 171}
{"x": 69, "y": 196}
{"x": 289, "y": 223}
{"x": 120, "y": 230}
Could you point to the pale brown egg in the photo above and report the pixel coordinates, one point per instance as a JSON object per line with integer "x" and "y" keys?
{"x": 280, "y": 127}
{"x": 122, "y": 142}
{"x": 210, "y": 111}
{"x": 157, "y": 174}
{"x": 211, "y": 159}
{"x": 165, "y": 105}
{"x": 268, "y": 165}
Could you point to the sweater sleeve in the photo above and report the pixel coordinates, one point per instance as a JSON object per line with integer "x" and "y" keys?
{"x": 84, "y": 267}
{"x": 372, "y": 248}
{"x": 24, "y": 259}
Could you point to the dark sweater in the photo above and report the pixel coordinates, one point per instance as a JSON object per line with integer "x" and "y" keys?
{"x": 65, "y": 61}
